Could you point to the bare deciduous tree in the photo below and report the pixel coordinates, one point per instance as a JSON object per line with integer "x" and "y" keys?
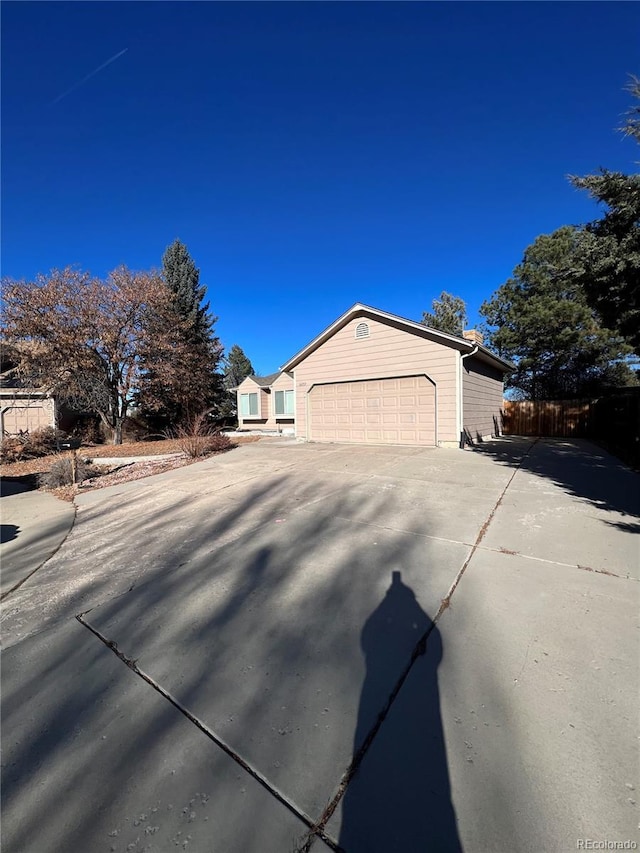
{"x": 81, "y": 337}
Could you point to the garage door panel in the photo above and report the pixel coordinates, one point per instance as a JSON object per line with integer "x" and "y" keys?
{"x": 400, "y": 410}
{"x": 25, "y": 418}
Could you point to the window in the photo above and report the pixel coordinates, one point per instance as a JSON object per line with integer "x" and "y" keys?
{"x": 283, "y": 403}
{"x": 249, "y": 405}
{"x": 362, "y": 330}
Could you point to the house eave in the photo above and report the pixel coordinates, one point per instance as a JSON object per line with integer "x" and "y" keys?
{"x": 359, "y": 309}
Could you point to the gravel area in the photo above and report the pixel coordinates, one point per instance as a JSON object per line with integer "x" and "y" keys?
{"x": 134, "y": 471}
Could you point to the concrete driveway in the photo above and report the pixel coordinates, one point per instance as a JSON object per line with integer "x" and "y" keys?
{"x": 295, "y": 646}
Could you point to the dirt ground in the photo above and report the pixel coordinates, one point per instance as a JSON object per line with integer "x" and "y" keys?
{"x": 29, "y": 469}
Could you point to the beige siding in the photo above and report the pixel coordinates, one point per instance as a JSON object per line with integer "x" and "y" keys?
{"x": 265, "y": 403}
{"x": 482, "y": 390}
{"x": 248, "y": 386}
{"x": 284, "y": 382}
{"x": 267, "y": 418}
{"x": 23, "y": 415}
{"x": 388, "y": 352}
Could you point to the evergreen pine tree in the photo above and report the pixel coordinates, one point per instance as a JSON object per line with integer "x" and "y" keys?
{"x": 237, "y": 367}
{"x": 195, "y": 384}
{"x": 448, "y": 314}
{"x": 610, "y": 247}
{"x": 541, "y": 320}
{"x": 183, "y": 280}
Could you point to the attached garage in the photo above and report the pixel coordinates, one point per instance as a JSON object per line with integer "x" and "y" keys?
{"x": 398, "y": 410}
{"x": 376, "y": 378}
{"x": 20, "y": 416}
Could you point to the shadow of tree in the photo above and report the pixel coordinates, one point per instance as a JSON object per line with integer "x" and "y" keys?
{"x": 247, "y": 612}
{"x": 8, "y": 532}
{"x": 268, "y": 547}
{"x": 576, "y": 465}
{"x": 10, "y": 486}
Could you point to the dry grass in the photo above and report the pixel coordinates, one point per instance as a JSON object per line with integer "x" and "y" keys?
{"x": 141, "y": 448}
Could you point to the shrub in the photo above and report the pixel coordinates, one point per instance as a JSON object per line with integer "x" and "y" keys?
{"x": 12, "y": 449}
{"x": 61, "y": 472}
{"x": 219, "y": 442}
{"x": 42, "y": 442}
{"x": 30, "y": 445}
{"x": 197, "y": 437}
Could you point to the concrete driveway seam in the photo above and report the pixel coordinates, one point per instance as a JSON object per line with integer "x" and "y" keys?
{"x": 511, "y": 553}
{"x": 209, "y": 733}
{"x": 509, "y": 717}
{"x": 17, "y": 585}
{"x": 418, "y": 651}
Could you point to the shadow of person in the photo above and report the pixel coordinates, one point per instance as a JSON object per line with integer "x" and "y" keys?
{"x": 400, "y": 799}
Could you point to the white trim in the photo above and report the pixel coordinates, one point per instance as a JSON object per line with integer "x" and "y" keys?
{"x": 458, "y": 396}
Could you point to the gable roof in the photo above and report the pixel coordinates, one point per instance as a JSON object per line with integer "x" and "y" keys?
{"x": 360, "y": 310}
{"x": 262, "y": 381}
{"x": 266, "y": 381}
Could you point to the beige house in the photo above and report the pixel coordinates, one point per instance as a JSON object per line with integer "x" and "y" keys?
{"x": 22, "y": 409}
{"x": 266, "y": 402}
{"x": 375, "y": 378}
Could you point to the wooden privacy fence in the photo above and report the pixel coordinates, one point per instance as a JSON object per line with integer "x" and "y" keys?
{"x": 613, "y": 418}
{"x": 561, "y": 418}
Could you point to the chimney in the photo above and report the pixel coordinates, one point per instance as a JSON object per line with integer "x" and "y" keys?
{"x": 473, "y": 336}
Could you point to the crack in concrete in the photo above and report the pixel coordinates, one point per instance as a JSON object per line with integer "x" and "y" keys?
{"x": 44, "y": 562}
{"x": 419, "y": 650}
{"x": 132, "y": 663}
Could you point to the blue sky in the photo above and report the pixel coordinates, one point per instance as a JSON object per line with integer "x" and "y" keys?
{"x": 310, "y": 155}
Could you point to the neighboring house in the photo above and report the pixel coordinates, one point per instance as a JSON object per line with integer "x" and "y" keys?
{"x": 375, "y": 378}
{"x": 24, "y": 409}
{"x": 266, "y": 402}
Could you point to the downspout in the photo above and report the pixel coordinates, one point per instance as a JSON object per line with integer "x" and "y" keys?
{"x": 435, "y": 407}
{"x": 461, "y": 401}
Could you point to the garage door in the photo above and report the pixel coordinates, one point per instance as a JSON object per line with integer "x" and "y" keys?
{"x": 376, "y": 411}
{"x": 18, "y": 419}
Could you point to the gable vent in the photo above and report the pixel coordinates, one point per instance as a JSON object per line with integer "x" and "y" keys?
{"x": 362, "y": 330}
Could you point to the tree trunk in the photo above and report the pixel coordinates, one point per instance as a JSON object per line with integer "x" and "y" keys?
{"x": 117, "y": 432}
